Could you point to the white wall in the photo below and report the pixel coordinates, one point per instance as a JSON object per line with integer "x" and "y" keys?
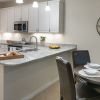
{"x": 80, "y": 28}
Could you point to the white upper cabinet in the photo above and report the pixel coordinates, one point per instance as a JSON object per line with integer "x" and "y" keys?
{"x": 54, "y": 16}
{"x": 43, "y": 18}
{"x": 21, "y": 13}
{"x": 10, "y": 19}
{"x": 51, "y": 21}
{"x": 24, "y": 12}
{"x": 4, "y": 12}
{"x": 33, "y": 19}
{"x": 39, "y": 20}
{"x": 17, "y": 13}
{"x": 7, "y": 19}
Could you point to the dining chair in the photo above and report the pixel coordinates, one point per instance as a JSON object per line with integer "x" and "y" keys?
{"x": 67, "y": 86}
{"x": 80, "y": 57}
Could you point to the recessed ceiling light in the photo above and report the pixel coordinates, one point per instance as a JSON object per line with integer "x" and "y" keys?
{"x": 19, "y": 1}
{"x": 35, "y": 4}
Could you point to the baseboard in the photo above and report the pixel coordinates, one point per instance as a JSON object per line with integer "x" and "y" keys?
{"x": 30, "y": 96}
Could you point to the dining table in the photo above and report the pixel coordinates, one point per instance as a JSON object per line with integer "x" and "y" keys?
{"x": 93, "y": 80}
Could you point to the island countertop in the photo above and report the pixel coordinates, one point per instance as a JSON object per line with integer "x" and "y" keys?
{"x": 39, "y": 54}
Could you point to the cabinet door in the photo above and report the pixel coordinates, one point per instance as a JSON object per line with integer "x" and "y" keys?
{"x": 4, "y": 20}
{"x": 25, "y": 9}
{"x": 10, "y": 19}
{"x": 43, "y": 18}
{"x": 54, "y": 16}
{"x": 33, "y": 19}
{"x": 17, "y": 13}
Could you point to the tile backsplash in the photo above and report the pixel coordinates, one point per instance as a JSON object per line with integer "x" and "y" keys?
{"x": 50, "y": 37}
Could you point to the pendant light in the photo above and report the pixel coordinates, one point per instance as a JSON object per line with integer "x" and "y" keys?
{"x": 47, "y": 8}
{"x": 35, "y": 4}
{"x": 19, "y": 1}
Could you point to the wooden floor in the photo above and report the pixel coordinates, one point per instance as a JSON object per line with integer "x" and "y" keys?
{"x": 52, "y": 93}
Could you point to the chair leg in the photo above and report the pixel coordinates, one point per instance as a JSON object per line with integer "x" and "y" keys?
{"x": 61, "y": 98}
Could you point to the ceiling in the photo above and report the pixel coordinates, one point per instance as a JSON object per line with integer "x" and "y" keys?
{"x": 8, "y": 3}
{"x": 4, "y": 0}
{"x": 15, "y": 0}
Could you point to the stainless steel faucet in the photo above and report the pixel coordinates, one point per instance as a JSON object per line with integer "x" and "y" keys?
{"x": 36, "y": 43}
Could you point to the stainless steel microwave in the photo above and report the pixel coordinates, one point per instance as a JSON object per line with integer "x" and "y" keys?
{"x": 21, "y": 26}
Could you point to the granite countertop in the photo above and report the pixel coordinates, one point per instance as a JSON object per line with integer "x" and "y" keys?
{"x": 43, "y": 52}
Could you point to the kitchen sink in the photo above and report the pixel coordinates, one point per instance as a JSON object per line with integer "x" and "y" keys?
{"x": 28, "y": 43}
{"x": 28, "y": 50}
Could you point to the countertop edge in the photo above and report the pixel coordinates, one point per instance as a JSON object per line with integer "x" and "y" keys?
{"x": 74, "y": 48}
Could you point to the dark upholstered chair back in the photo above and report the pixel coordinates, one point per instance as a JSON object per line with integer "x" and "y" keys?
{"x": 80, "y": 57}
{"x": 67, "y": 86}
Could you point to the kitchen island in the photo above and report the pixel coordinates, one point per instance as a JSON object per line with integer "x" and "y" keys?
{"x": 22, "y": 79}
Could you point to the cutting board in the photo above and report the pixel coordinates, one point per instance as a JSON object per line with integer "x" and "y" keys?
{"x": 11, "y": 57}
